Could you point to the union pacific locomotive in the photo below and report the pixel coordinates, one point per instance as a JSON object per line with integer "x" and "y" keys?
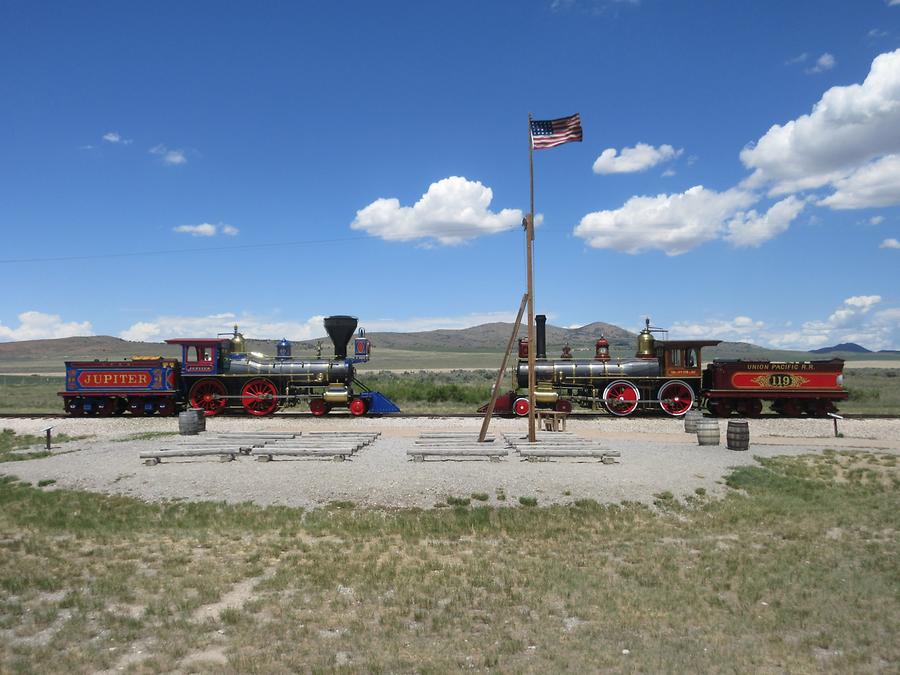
{"x": 218, "y": 375}
{"x": 667, "y": 376}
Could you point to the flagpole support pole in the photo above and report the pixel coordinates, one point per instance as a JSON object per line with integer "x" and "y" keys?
{"x": 529, "y": 255}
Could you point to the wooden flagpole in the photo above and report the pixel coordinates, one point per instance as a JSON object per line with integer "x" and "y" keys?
{"x": 529, "y": 241}
{"x": 496, "y": 390}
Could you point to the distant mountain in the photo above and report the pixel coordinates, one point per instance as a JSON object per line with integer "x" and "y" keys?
{"x": 451, "y": 348}
{"x": 848, "y": 347}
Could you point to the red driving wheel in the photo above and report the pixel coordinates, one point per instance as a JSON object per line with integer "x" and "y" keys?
{"x": 319, "y": 407}
{"x": 357, "y": 407}
{"x": 676, "y": 397}
{"x": 520, "y": 407}
{"x": 259, "y": 397}
{"x": 621, "y": 398}
{"x": 563, "y": 406}
{"x": 208, "y": 395}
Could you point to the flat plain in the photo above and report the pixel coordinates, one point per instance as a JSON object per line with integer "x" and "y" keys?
{"x": 680, "y": 558}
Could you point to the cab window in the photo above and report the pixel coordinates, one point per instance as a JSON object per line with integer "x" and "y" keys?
{"x": 690, "y": 358}
{"x": 202, "y": 354}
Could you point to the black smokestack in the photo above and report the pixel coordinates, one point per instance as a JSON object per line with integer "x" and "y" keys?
{"x": 340, "y": 330}
{"x": 541, "y": 324}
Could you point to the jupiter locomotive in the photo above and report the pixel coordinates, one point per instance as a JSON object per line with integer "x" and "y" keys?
{"x": 218, "y": 375}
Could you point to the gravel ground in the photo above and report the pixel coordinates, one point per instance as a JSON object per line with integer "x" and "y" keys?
{"x": 656, "y": 455}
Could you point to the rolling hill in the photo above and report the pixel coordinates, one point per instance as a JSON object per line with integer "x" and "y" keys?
{"x": 478, "y": 346}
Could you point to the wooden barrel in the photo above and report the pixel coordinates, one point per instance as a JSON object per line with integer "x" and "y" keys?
{"x": 201, "y": 418}
{"x": 188, "y": 423}
{"x": 738, "y": 435}
{"x": 690, "y": 421}
{"x": 708, "y": 431}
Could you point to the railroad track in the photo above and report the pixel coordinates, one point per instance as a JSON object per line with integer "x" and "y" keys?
{"x": 574, "y": 415}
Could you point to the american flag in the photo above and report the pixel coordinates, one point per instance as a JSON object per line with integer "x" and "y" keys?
{"x": 550, "y": 133}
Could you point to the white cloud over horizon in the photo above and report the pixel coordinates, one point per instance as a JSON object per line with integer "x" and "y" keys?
{"x": 857, "y": 319}
{"x": 206, "y": 230}
{"x": 452, "y": 211}
{"x": 34, "y": 325}
{"x": 632, "y": 160}
{"x": 262, "y": 327}
{"x": 890, "y": 243}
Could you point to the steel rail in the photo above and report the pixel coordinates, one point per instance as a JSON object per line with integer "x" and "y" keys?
{"x": 574, "y": 415}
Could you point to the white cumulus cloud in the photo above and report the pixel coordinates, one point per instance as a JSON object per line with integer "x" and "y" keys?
{"x": 674, "y": 223}
{"x": 35, "y": 325}
{"x": 875, "y": 184}
{"x": 452, "y": 211}
{"x": 752, "y": 229}
{"x": 890, "y": 243}
{"x": 630, "y": 160}
{"x": 848, "y": 127}
{"x": 172, "y": 157}
{"x": 206, "y": 230}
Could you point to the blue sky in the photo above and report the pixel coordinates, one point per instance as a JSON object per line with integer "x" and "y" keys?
{"x": 171, "y": 168}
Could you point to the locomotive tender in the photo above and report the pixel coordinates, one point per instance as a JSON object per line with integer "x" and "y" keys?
{"x": 667, "y": 375}
{"x": 217, "y": 374}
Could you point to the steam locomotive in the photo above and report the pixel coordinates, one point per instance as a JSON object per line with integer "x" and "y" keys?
{"x": 218, "y": 375}
{"x": 667, "y": 376}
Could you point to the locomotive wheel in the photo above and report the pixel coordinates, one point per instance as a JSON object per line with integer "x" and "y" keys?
{"x": 789, "y": 408}
{"x": 208, "y": 395}
{"x": 520, "y": 407}
{"x": 121, "y": 406}
{"x": 357, "y": 407}
{"x": 563, "y": 406}
{"x": 621, "y": 398}
{"x": 259, "y": 397}
{"x": 719, "y": 408}
{"x": 149, "y": 406}
{"x": 319, "y": 407}
{"x": 676, "y": 398}
{"x": 749, "y": 407}
{"x": 136, "y": 407}
{"x": 818, "y": 407}
{"x": 105, "y": 406}
{"x": 75, "y": 406}
{"x": 167, "y": 407}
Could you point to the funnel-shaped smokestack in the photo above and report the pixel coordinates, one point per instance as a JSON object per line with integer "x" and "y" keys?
{"x": 340, "y": 330}
{"x": 541, "y": 336}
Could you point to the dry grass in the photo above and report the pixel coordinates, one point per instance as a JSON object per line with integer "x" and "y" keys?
{"x": 794, "y": 571}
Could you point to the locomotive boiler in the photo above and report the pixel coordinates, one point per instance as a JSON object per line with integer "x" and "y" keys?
{"x": 666, "y": 376}
{"x": 218, "y": 375}
{"x": 663, "y": 375}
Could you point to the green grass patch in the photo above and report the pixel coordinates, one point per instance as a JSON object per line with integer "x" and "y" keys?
{"x": 872, "y": 390}
{"x": 793, "y": 571}
{"x": 12, "y": 445}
